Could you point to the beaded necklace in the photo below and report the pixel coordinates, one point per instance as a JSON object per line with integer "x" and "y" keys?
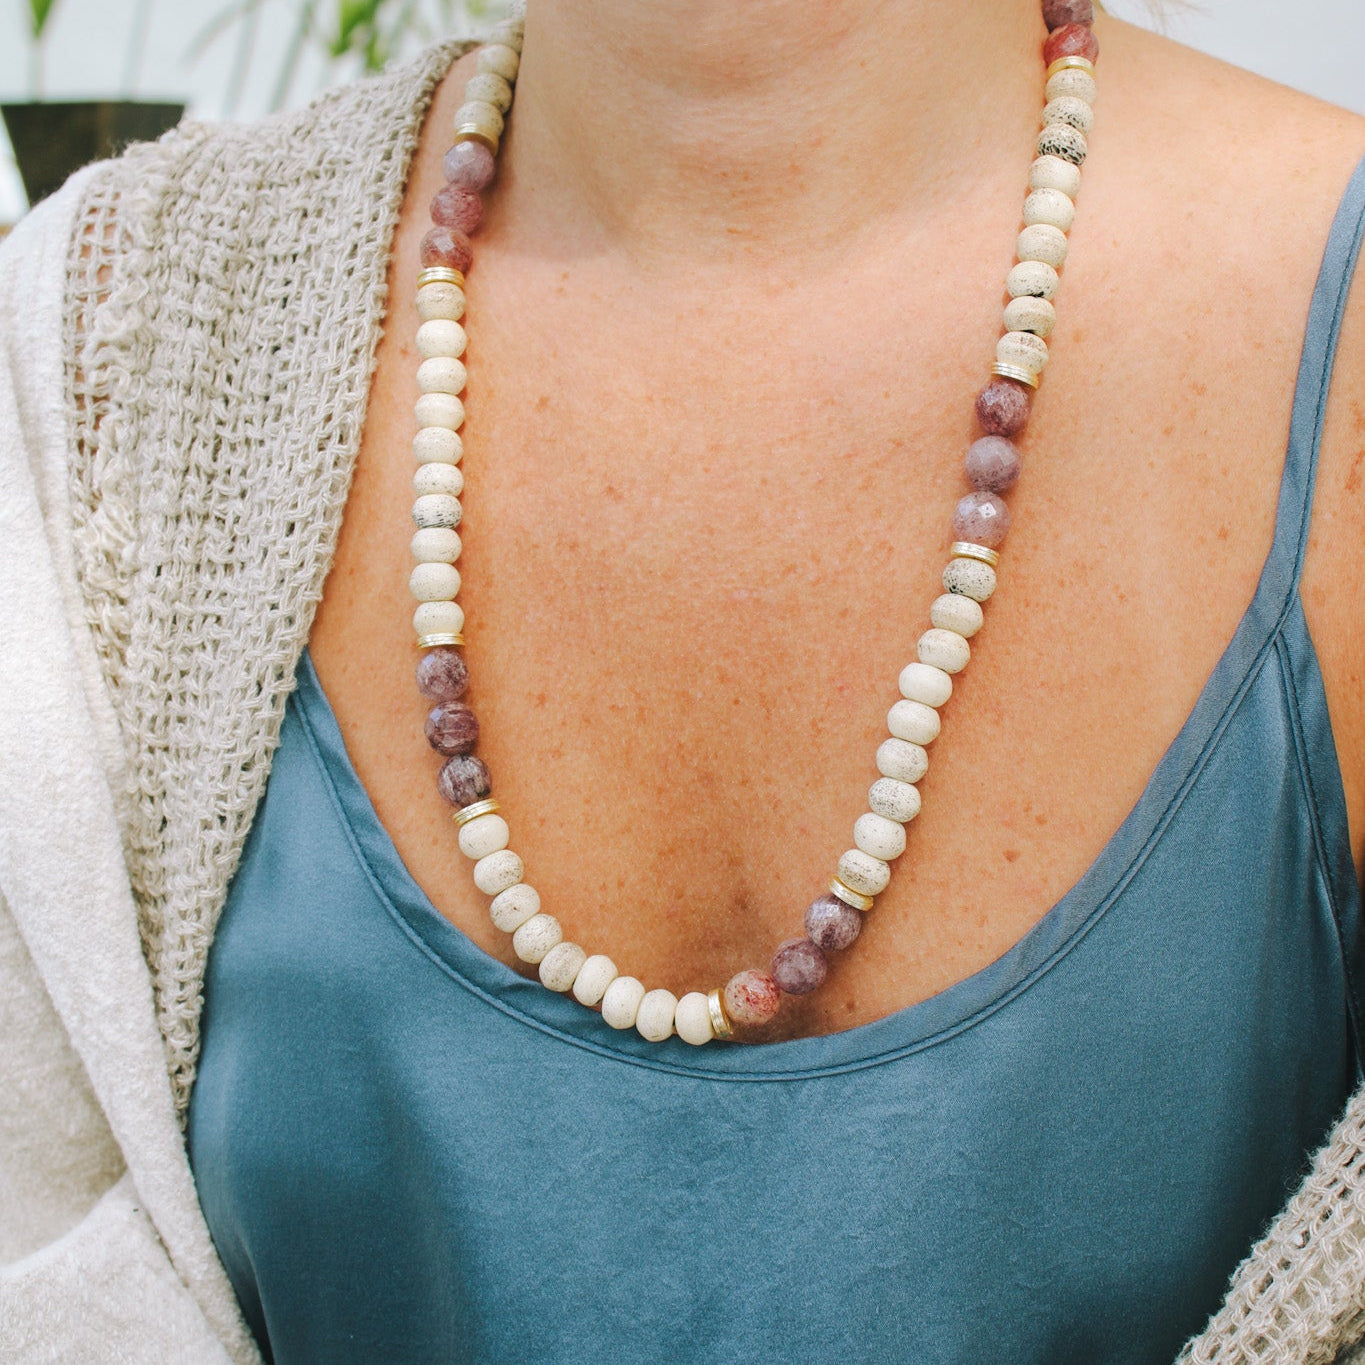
{"x": 980, "y": 522}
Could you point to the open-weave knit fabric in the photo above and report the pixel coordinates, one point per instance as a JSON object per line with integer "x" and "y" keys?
{"x": 225, "y": 296}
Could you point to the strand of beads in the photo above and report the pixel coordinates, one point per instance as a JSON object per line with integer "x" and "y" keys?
{"x": 980, "y": 524}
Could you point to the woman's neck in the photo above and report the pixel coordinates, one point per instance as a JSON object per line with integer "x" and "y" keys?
{"x": 761, "y": 130}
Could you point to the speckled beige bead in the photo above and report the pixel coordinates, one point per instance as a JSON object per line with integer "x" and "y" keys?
{"x": 437, "y": 445}
{"x": 1075, "y": 83}
{"x": 1022, "y": 350}
{"x": 913, "y": 722}
{"x": 1026, "y": 314}
{"x": 654, "y": 1018}
{"x": 443, "y": 479}
{"x": 969, "y": 577}
{"x": 621, "y": 1002}
{"x": 1041, "y": 242}
{"x": 957, "y": 613}
{"x": 862, "y": 872}
{"x": 1032, "y": 279}
{"x": 434, "y": 582}
{"x": 1069, "y": 110}
{"x": 508, "y": 32}
{"x": 879, "y": 837}
{"x": 513, "y": 907}
{"x": 498, "y": 871}
{"x": 893, "y": 799}
{"x": 487, "y": 118}
{"x": 440, "y": 337}
{"x": 441, "y": 374}
{"x": 436, "y": 544}
{"x": 436, "y": 509}
{"x": 1064, "y": 141}
{"x": 945, "y": 649}
{"x": 559, "y": 967}
{"x": 483, "y": 835}
{"x": 597, "y": 973}
{"x": 921, "y": 683}
{"x": 440, "y": 301}
{"x": 536, "y": 937}
{"x": 438, "y": 618}
{"x": 498, "y": 60}
{"x": 439, "y": 410}
{"x": 1051, "y": 207}
{"x": 692, "y": 1019}
{"x": 902, "y": 760}
{"x": 1052, "y": 173}
{"x": 489, "y": 88}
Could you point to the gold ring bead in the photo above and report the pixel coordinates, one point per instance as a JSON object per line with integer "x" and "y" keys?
{"x": 467, "y": 813}
{"x": 964, "y": 549}
{"x": 471, "y": 132}
{"x": 435, "y": 641}
{"x": 1016, "y": 372}
{"x": 441, "y": 274}
{"x": 720, "y": 1021}
{"x": 1071, "y": 64}
{"x": 849, "y": 896}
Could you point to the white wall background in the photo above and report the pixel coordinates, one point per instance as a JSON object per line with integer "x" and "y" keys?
{"x": 1314, "y": 45}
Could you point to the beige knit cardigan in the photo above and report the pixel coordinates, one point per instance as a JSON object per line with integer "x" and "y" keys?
{"x": 187, "y": 336}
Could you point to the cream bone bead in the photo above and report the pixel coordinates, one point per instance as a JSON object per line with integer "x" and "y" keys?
{"x": 436, "y": 544}
{"x": 1068, "y": 109}
{"x": 490, "y": 88}
{"x": 894, "y": 799}
{"x": 692, "y": 1019}
{"x": 957, "y": 613}
{"x": 1023, "y": 350}
{"x": 904, "y": 761}
{"x": 442, "y": 479}
{"x": 513, "y": 907}
{"x": 479, "y": 114}
{"x": 621, "y": 1002}
{"x": 879, "y": 837}
{"x": 1064, "y": 141}
{"x": 498, "y": 871}
{"x": 1052, "y": 173}
{"x": 434, "y": 582}
{"x": 945, "y": 649}
{"x": 498, "y": 60}
{"x": 862, "y": 872}
{"x": 1075, "y": 83}
{"x": 654, "y": 1018}
{"x": 508, "y": 33}
{"x": 483, "y": 835}
{"x": 441, "y": 300}
{"x": 439, "y": 410}
{"x": 436, "y": 509}
{"x": 1026, "y": 314}
{"x": 441, "y": 374}
{"x": 437, "y": 445}
{"x": 441, "y": 337}
{"x": 969, "y": 577}
{"x": 1051, "y": 207}
{"x": 438, "y": 618}
{"x": 1042, "y": 242}
{"x": 596, "y": 974}
{"x": 1032, "y": 279}
{"x": 913, "y": 722}
{"x": 922, "y": 683}
{"x": 559, "y": 967}
{"x": 536, "y": 937}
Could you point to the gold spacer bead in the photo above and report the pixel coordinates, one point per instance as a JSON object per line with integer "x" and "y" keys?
{"x": 1071, "y": 64}
{"x": 467, "y": 813}
{"x": 440, "y": 274}
{"x": 1015, "y": 372}
{"x": 964, "y": 549}
{"x": 849, "y": 896}
{"x": 471, "y": 132}
{"x": 720, "y": 1021}
{"x": 432, "y": 641}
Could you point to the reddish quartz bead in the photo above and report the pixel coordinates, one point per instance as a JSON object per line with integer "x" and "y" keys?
{"x": 457, "y": 208}
{"x": 1071, "y": 40}
{"x": 442, "y": 674}
{"x": 464, "y": 780}
{"x": 832, "y": 925}
{"x": 1057, "y": 13}
{"x": 983, "y": 519}
{"x": 470, "y": 165}
{"x": 798, "y": 966}
{"x": 992, "y": 464}
{"x": 1002, "y": 407}
{"x": 452, "y": 728}
{"x": 448, "y": 247}
{"x": 752, "y": 998}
